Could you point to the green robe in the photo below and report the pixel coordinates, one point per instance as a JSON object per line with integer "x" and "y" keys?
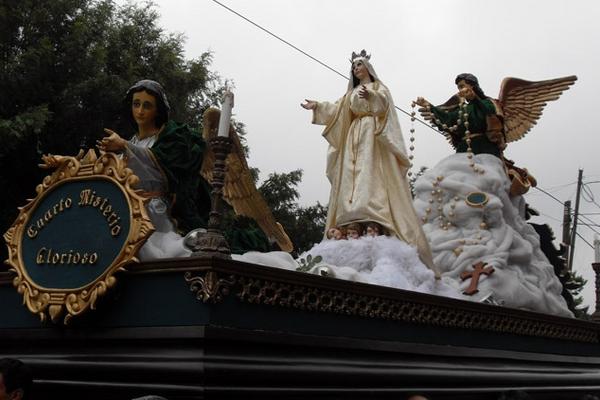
{"x": 179, "y": 151}
{"x": 478, "y": 110}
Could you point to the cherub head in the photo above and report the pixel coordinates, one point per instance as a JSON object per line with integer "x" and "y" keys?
{"x": 336, "y": 233}
{"x": 375, "y": 229}
{"x": 354, "y": 230}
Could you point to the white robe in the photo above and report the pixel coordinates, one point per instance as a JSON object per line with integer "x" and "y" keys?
{"x": 367, "y": 165}
{"x": 164, "y": 242}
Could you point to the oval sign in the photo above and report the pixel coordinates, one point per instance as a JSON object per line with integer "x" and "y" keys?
{"x": 86, "y": 223}
{"x": 75, "y": 233}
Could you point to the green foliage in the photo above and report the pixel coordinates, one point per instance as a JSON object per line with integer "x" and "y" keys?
{"x": 308, "y": 263}
{"x": 304, "y": 225}
{"x": 310, "y": 226}
{"x": 64, "y": 68}
{"x": 280, "y": 191}
{"x": 21, "y": 127}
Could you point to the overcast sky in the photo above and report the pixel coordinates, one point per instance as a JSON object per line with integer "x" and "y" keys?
{"x": 417, "y": 48}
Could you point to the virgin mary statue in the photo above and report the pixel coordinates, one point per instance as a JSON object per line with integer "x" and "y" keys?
{"x": 366, "y": 159}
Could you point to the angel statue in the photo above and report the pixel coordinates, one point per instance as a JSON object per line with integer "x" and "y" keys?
{"x": 475, "y": 123}
{"x": 169, "y": 158}
{"x": 470, "y": 203}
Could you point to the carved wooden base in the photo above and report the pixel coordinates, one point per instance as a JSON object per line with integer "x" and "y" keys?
{"x": 212, "y": 244}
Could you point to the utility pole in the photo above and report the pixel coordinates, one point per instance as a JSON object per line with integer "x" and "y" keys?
{"x": 566, "y": 233}
{"x": 565, "y": 244}
{"x": 575, "y": 216}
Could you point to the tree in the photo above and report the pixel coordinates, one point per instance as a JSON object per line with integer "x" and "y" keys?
{"x": 304, "y": 225}
{"x": 65, "y": 66}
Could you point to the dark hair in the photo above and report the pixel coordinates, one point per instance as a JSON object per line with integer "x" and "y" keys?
{"x": 473, "y": 81}
{"x": 16, "y": 375}
{"x": 356, "y": 226}
{"x": 355, "y": 80}
{"x": 377, "y": 226}
{"x": 155, "y": 89}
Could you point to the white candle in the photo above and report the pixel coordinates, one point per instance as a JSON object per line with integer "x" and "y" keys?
{"x": 596, "y": 249}
{"x": 225, "y": 118}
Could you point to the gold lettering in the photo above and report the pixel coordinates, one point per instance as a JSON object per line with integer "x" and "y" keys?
{"x": 32, "y": 232}
{"x": 115, "y": 230}
{"x": 84, "y": 197}
{"x": 93, "y": 258}
{"x": 39, "y": 257}
{"x": 48, "y": 216}
{"x": 114, "y": 221}
{"x": 90, "y": 198}
{"x": 71, "y": 257}
{"x": 103, "y": 204}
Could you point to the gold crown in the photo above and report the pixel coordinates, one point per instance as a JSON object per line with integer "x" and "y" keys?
{"x": 362, "y": 54}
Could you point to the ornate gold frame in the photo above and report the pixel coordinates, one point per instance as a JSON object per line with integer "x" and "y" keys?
{"x": 48, "y": 301}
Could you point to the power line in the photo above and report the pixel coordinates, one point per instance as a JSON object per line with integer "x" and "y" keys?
{"x": 551, "y": 217}
{"x": 586, "y": 242}
{"x": 280, "y": 39}
{"x": 587, "y": 191}
{"x": 589, "y": 225}
{"x": 548, "y": 194}
{"x": 591, "y": 221}
{"x": 561, "y": 186}
{"x": 308, "y": 55}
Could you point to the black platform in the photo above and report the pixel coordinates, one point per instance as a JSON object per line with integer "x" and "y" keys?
{"x": 247, "y": 331}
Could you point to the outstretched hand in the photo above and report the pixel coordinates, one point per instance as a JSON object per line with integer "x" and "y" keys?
{"x": 113, "y": 142}
{"x": 309, "y": 104}
{"x": 421, "y": 102}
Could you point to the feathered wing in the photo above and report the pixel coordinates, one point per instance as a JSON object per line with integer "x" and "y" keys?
{"x": 523, "y": 102}
{"x": 239, "y": 189}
